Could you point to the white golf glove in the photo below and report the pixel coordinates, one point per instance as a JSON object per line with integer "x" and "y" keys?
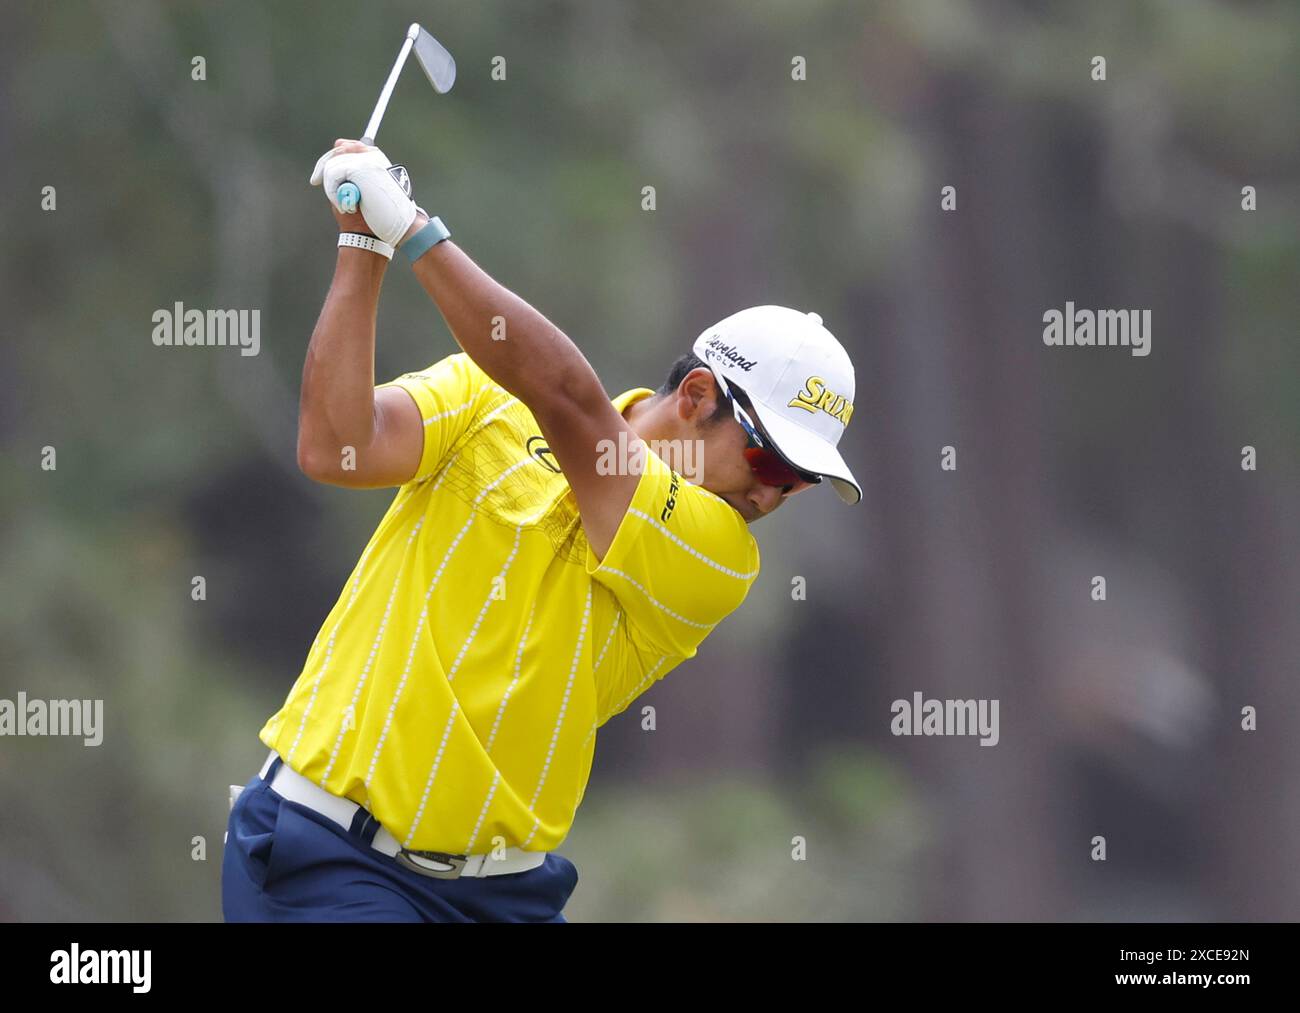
{"x": 386, "y": 203}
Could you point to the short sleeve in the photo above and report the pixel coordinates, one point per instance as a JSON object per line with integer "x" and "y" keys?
{"x": 681, "y": 561}
{"x": 448, "y": 394}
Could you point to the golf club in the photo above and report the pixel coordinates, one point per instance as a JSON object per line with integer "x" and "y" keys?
{"x": 438, "y": 67}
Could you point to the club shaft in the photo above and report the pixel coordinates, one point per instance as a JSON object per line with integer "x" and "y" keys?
{"x": 377, "y": 116}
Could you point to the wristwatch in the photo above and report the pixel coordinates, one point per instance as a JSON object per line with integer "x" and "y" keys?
{"x": 426, "y": 239}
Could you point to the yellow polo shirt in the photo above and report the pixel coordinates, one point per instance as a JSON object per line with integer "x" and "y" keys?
{"x": 456, "y": 686}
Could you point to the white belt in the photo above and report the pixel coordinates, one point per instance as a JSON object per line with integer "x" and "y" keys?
{"x": 291, "y": 785}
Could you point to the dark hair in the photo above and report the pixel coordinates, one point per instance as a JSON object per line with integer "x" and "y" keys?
{"x": 677, "y": 373}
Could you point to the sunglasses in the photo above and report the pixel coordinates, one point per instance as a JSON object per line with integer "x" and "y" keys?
{"x": 765, "y": 461}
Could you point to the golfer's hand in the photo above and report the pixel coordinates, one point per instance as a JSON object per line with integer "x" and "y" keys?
{"x": 351, "y": 221}
{"x": 386, "y": 208}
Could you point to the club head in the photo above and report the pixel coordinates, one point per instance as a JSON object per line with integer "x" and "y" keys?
{"x": 435, "y": 61}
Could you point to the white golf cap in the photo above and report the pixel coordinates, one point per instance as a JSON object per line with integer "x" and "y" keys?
{"x": 799, "y": 380}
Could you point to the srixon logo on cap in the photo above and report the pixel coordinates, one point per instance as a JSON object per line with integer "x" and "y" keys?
{"x": 817, "y": 397}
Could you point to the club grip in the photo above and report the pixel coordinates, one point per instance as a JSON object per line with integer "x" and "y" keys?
{"x": 349, "y": 197}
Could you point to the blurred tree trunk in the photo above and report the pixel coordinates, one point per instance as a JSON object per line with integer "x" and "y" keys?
{"x": 960, "y": 371}
{"x": 1251, "y": 802}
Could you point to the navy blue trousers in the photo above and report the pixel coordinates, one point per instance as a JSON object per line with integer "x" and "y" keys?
{"x": 284, "y": 862}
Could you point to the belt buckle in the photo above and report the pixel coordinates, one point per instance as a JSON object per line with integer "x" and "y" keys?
{"x": 437, "y": 864}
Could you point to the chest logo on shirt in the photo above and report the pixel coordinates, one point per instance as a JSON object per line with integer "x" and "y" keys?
{"x": 541, "y": 453}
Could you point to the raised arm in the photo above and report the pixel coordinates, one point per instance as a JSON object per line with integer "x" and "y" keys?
{"x": 349, "y": 434}
{"x": 533, "y": 359}
{"x": 507, "y": 339}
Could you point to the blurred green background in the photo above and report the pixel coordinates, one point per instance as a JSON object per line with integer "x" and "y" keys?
{"x": 1119, "y": 719}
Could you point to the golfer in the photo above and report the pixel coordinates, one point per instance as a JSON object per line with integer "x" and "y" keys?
{"x": 549, "y": 555}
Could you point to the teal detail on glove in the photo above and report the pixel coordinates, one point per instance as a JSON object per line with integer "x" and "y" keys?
{"x": 425, "y": 240}
{"x": 349, "y": 197}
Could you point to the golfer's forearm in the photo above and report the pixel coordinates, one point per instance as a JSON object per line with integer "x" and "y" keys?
{"x": 337, "y": 405}
{"x": 509, "y": 340}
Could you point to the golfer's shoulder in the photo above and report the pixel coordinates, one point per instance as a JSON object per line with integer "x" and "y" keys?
{"x": 705, "y": 534}
{"x": 453, "y": 371}
{"x": 723, "y": 531}
{"x": 452, "y": 384}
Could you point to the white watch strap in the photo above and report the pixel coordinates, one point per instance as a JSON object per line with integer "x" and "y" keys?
{"x": 363, "y": 242}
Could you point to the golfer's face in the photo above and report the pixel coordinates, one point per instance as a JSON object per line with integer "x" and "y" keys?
{"x": 732, "y": 476}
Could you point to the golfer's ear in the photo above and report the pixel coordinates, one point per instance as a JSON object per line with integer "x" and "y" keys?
{"x": 697, "y": 395}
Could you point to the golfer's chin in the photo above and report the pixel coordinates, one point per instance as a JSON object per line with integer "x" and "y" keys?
{"x": 738, "y": 503}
